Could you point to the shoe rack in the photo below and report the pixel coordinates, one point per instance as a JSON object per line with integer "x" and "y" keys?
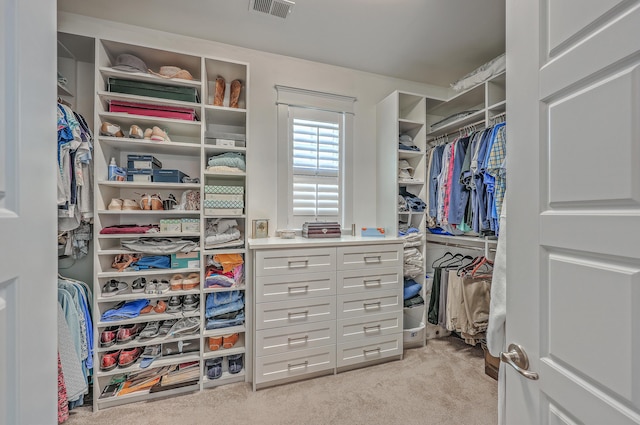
{"x": 185, "y": 148}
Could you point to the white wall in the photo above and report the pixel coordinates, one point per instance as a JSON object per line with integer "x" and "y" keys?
{"x": 267, "y": 70}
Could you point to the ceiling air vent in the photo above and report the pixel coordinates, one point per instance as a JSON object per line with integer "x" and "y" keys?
{"x": 279, "y": 8}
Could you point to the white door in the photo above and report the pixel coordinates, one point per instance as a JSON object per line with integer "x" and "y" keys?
{"x": 573, "y": 303}
{"x": 28, "y": 292}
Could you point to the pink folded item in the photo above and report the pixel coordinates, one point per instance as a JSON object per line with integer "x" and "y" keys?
{"x": 145, "y": 109}
{"x": 122, "y": 229}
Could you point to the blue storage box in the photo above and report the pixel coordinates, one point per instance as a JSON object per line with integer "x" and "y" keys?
{"x": 189, "y": 260}
{"x": 144, "y": 162}
{"x": 373, "y": 232}
{"x": 135, "y": 175}
{"x": 168, "y": 176}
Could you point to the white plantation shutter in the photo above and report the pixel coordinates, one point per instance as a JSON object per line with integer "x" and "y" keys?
{"x": 315, "y": 166}
{"x": 314, "y": 132}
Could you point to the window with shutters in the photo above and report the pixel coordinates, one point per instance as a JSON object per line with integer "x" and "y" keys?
{"x": 314, "y": 134}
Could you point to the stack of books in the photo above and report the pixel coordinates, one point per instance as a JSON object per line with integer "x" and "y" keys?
{"x": 321, "y": 230}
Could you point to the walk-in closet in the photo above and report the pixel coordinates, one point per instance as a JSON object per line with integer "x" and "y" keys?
{"x": 296, "y": 212}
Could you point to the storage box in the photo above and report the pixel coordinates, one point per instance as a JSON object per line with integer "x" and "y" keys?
{"x": 228, "y": 143}
{"x": 168, "y": 176}
{"x": 186, "y": 94}
{"x": 171, "y": 225}
{"x": 143, "y": 162}
{"x": 223, "y": 197}
{"x": 135, "y": 175}
{"x": 190, "y": 225}
{"x": 215, "y": 203}
{"x": 233, "y": 190}
{"x": 189, "y": 260}
{"x": 373, "y": 232}
{"x": 223, "y": 211}
{"x": 491, "y": 364}
{"x": 414, "y": 337}
{"x": 148, "y": 110}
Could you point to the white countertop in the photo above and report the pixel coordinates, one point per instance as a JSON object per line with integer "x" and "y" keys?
{"x": 300, "y": 242}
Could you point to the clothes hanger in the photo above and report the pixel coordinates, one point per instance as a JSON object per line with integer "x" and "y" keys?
{"x": 441, "y": 258}
{"x": 457, "y": 258}
{"x": 484, "y": 261}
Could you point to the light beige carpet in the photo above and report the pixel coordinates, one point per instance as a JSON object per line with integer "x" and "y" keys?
{"x": 443, "y": 383}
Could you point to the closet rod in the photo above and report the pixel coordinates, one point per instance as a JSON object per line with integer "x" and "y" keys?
{"x": 484, "y": 249}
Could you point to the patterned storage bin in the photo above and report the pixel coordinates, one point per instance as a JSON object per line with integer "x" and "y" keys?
{"x": 191, "y": 225}
{"x": 171, "y": 225}
{"x": 223, "y": 204}
{"x": 223, "y": 197}
{"x": 237, "y": 190}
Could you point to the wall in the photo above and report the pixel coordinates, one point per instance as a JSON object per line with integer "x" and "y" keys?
{"x": 267, "y": 70}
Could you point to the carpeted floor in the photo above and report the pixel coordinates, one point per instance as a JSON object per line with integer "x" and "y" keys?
{"x": 443, "y": 383}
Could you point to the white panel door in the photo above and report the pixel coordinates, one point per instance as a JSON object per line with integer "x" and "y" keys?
{"x": 28, "y": 282}
{"x": 573, "y": 304}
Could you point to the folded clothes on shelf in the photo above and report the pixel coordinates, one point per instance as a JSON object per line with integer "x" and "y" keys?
{"x": 228, "y": 159}
{"x": 223, "y": 321}
{"x": 159, "y": 245}
{"x": 219, "y": 303}
{"x": 220, "y": 231}
{"x": 121, "y": 229}
{"x": 124, "y": 310}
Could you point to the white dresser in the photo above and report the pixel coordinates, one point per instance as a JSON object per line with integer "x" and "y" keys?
{"x": 325, "y": 305}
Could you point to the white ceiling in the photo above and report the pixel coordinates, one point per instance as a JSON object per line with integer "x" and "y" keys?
{"x": 428, "y": 41}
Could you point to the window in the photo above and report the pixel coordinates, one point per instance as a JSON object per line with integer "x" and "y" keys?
{"x": 313, "y": 143}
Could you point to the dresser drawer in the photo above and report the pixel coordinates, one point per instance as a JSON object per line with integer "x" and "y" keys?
{"x": 354, "y": 305}
{"x": 350, "y": 353}
{"x": 362, "y": 281}
{"x": 370, "y": 256}
{"x": 293, "y": 287}
{"x": 292, "y": 338}
{"x": 286, "y": 313}
{"x": 369, "y": 327}
{"x": 295, "y": 261}
{"x": 295, "y": 363}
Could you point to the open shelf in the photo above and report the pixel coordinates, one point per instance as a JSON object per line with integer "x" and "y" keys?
{"x": 162, "y": 361}
{"x": 145, "y": 342}
{"x": 148, "y": 78}
{"x": 149, "y": 146}
{"x": 149, "y": 272}
{"x": 224, "y": 331}
{"x": 149, "y": 317}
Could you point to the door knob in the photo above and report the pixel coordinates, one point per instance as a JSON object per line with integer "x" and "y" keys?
{"x": 517, "y": 359}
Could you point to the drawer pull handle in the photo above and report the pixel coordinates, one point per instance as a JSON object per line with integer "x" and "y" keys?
{"x": 293, "y": 263}
{"x": 376, "y": 328}
{"x": 376, "y": 304}
{"x": 299, "y": 340}
{"x": 298, "y": 314}
{"x": 375, "y": 350}
{"x": 373, "y": 259}
{"x": 373, "y": 282}
{"x": 298, "y": 289}
{"x": 304, "y": 364}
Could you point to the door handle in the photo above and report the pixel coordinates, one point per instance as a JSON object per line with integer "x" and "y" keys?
{"x": 517, "y": 359}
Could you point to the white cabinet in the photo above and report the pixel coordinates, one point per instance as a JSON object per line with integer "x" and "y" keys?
{"x": 342, "y": 310}
{"x": 187, "y": 148}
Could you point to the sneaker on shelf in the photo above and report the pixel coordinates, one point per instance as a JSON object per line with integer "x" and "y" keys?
{"x": 112, "y": 130}
{"x": 135, "y": 132}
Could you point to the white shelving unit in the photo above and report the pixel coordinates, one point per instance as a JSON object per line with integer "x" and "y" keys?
{"x": 397, "y": 114}
{"x": 187, "y": 151}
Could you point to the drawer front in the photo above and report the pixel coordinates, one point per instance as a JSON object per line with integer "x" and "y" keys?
{"x": 351, "y": 353}
{"x": 295, "y": 364}
{"x": 362, "y": 281}
{"x": 281, "y": 288}
{"x": 293, "y": 338}
{"x": 271, "y": 262}
{"x": 363, "y": 257}
{"x": 369, "y": 327}
{"x": 286, "y": 313}
{"x": 354, "y": 305}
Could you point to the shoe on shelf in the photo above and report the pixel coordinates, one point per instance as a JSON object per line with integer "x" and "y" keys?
{"x": 147, "y": 134}
{"x": 228, "y": 341}
{"x": 135, "y": 132}
{"x": 160, "y": 307}
{"x": 235, "y": 363}
{"x": 215, "y": 342}
{"x": 163, "y": 287}
{"x": 147, "y": 309}
{"x": 185, "y": 326}
{"x": 159, "y": 135}
{"x": 151, "y": 202}
{"x": 129, "y": 356}
{"x": 214, "y": 367}
{"x": 109, "y": 360}
{"x": 113, "y": 287}
{"x": 115, "y": 204}
{"x": 175, "y": 304}
{"x": 139, "y": 284}
{"x": 127, "y": 333}
{"x": 166, "y": 326}
{"x": 112, "y": 130}
{"x": 151, "y": 330}
{"x": 150, "y": 353}
{"x": 190, "y": 302}
{"x": 151, "y": 287}
{"x": 192, "y": 281}
{"x": 130, "y": 204}
{"x": 176, "y": 282}
{"x": 108, "y": 336}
